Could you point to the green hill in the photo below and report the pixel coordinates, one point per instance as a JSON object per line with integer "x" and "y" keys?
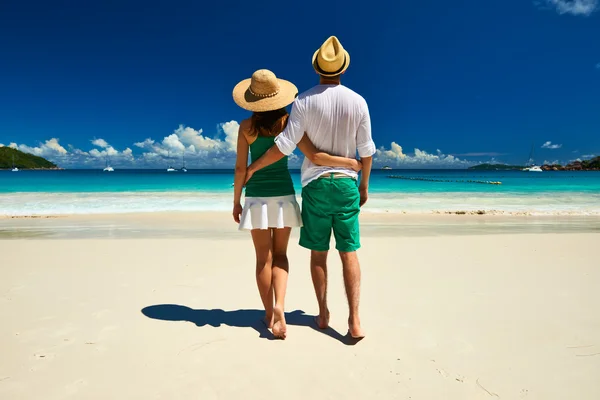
{"x": 23, "y": 160}
{"x": 594, "y": 163}
{"x": 494, "y": 167}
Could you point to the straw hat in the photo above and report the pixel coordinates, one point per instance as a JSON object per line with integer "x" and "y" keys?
{"x": 264, "y": 92}
{"x": 331, "y": 59}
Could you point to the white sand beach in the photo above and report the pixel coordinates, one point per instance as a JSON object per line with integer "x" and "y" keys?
{"x": 450, "y": 313}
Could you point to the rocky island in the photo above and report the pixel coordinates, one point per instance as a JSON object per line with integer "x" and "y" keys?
{"x": 585, "y": 165}
{"x": 12, "y": 158}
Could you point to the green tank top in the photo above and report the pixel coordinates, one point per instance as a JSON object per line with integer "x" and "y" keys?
{"x": 271, "y": 181}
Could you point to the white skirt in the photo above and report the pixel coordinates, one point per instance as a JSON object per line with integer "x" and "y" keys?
{"x": 270, "y": 212}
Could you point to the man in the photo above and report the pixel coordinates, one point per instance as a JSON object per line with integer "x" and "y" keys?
{"x": 336, "y": 120}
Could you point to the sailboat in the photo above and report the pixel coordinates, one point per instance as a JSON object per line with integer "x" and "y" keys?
{"x": 14, "y": 168}
{"x": 183, "y": 168}
{"x": 169, "y": 168}
{"x": 532, "y": 167}
{"x": 108, "y": 168}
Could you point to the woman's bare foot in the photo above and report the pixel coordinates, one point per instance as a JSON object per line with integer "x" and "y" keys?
{"x": 355, "y": 330}
{"x": 268, "y": 321}
{"x": 322, "y": 320}
{"x": 279, "y": 326}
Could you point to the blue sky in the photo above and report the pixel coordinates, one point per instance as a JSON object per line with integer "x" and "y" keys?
{"x": 448, "y": 83}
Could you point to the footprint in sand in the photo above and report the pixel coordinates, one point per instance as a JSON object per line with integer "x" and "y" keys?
{"x": 445, "y": 374}
{"x": 442, "y": 372}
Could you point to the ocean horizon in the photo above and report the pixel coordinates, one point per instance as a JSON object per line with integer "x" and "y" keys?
{"x": 85, "y": 191}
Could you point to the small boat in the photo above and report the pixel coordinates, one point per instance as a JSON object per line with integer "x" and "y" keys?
{"x": 535, "y": 168}
{"x": 532, "y": 167}
{"x": 108, "y": 168}
{"x": 170, "y": 168}
{"x": 183, "y": 168}
{"x": 14, "y": 168}
{"x": 386, "y": 168}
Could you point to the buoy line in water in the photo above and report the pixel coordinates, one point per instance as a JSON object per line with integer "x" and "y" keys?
{"x": 409, "y": 178}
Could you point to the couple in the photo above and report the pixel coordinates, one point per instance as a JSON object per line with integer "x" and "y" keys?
{"x": 329, "y": 124}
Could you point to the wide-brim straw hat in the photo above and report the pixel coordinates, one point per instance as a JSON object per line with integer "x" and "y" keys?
{"x": 331, "y": 59}
{"x": 264, "y": 92}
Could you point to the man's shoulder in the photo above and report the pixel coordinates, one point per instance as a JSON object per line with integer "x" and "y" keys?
{"x": 340, "y": 90}
{"x": 352, "y": 94}
{"x": 310, "y": 92}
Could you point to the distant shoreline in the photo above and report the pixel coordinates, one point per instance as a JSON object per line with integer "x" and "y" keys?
{"x": 34, "y": 169}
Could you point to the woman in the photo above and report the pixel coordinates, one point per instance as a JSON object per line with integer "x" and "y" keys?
{"x": 270, "y": 210}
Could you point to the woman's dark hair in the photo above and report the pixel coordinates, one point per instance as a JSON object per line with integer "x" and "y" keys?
{"x": 269, "y": 123}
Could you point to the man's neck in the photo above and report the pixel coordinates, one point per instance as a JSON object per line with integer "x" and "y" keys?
{"x": 329, "y": 81}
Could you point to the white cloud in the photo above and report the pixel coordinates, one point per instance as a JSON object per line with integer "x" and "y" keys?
{"x": 395, "y": 157}
{"x": 172, "y": 143}
{"x": 231, "y": 129}
{"x": 295, "y": 161}
{"x": 100, "y": 143}
{"x": 48, "y": 149}
{"x": 549, "y": 145}
{"x": 588, "y": 156}
{"x": 573, "y": 7}
{"x": 146, "y": 144}
{"x": 481, "y": 154}
{"x": 108, "y": 150}
{"x": 200, "y": 150}
{"x": 75, "y": 151}
{"x": 203, "y": 151}
{"x": 546, "y": 162}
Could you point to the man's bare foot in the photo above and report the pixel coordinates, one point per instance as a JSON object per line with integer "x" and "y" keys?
{"x": 322, "y": 321}
{"x": 279, "y": 326}
{"x": 355, "y": 330}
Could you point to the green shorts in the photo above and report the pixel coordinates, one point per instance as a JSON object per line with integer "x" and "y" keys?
{"x": 330, "y": 203}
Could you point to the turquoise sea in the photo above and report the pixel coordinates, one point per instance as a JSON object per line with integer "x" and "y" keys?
{"x": 421, "y": 191}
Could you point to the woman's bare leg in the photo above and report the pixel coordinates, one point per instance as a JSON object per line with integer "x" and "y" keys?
{"x": 280, "y": 272}
{"x": 264, "y": 258}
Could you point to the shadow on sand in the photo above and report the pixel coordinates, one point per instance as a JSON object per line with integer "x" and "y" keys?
{"x": 237, "y": 318}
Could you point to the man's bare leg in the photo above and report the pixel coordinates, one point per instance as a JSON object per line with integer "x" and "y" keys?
{"x": 264, "y": 258}
{"x": 280, "y": 270}
{"x": 351, "y": 268}
{"x": 318, "y": 271}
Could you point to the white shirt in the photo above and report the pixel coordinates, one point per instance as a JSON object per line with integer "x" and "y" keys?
{"x": 336, "y": 120}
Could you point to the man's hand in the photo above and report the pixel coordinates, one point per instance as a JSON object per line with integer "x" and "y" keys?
{"x": 356, "y": 165}
{"x": 237, "y": 212}
{"x": 249, "y": 172}
{"x": 364, "y": 195}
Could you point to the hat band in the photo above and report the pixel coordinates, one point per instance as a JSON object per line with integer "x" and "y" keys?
{"x": 263, "y": 95}
{"x": 320, "y": 70}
